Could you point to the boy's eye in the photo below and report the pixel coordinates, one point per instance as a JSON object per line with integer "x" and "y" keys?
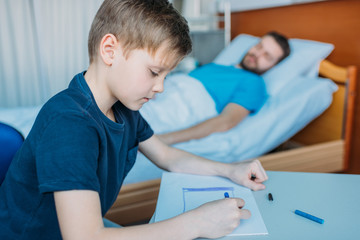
{"x": 155, "y": 74}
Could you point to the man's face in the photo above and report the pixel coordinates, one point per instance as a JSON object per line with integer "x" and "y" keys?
{"x": 262, "y": 56}
{"x": 136, "y": 79}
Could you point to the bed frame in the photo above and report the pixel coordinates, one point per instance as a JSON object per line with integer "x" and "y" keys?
{"x": 322, "y": 146}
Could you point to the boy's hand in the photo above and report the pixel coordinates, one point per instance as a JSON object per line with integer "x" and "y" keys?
{"x": 249, "y": 174}
{"x": 218, "y": 218}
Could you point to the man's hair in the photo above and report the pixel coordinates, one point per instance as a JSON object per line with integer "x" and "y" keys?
{"x": 283, "y": 43}
{"x": 140, "y": 24}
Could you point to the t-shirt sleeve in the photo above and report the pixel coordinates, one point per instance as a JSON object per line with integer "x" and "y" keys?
{"x": 66, "y": 155}
{"x": 144, "y": 130}
{"x": 252, "y": 97}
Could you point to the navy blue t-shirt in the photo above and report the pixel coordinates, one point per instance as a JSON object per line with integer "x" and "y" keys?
{"x": 72, "y": 145}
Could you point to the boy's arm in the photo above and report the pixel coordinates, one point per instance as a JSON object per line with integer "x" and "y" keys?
{"x": 176, "y": 160}
{"x": 227, "y": 119}
{"x": 79, "y": 217}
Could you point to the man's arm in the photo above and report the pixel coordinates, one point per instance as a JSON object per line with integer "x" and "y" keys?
{"x": 227, "y": 119}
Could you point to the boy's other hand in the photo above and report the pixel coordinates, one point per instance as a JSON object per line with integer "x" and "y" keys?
{"x": 249, "y": 174}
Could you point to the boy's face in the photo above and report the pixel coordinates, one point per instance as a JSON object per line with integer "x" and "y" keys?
{"x": 136, "y": 79}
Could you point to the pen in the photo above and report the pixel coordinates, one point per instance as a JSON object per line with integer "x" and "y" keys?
{"x": 226, "y": 195}
{"x": 309, "y": 216}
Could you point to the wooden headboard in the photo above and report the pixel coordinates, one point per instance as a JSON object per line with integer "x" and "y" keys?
{"x": 332, "y": 21}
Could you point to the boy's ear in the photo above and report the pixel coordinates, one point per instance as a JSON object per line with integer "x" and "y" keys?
{"x": 108, "y": 46}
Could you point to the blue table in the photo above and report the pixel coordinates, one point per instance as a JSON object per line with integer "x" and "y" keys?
{"x": 332, "y": 197}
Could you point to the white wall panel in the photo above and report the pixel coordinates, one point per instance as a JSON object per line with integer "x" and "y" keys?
{"x": 63, "y": 28}
{"x": 43, "y": 44}
{"x": 245, "y": 5}
{"x": 19, "y": 73}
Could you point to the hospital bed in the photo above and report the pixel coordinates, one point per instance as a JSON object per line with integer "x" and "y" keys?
{"x": 321, "y": 147}
{"x": 295, "y": 99}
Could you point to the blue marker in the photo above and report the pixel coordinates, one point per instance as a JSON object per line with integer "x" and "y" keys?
{"x": 226, "y": 195}
{"x": 309, "y": 216}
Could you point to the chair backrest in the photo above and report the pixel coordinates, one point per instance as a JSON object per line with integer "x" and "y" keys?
{"x": 10, "y": 141}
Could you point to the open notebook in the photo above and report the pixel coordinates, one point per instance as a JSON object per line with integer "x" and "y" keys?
{"x": 182, "y": 192}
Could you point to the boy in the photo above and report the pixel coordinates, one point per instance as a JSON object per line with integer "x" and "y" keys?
{"x": 84, "y": 141}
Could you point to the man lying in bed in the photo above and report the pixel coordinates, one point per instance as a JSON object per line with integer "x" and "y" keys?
{"x": 237, "y": 90}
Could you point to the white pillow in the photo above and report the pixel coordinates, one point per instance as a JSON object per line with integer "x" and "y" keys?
{"x": 305, "y": 54}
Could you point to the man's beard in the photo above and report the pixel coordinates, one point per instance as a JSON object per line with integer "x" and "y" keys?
{"x": 254, "y": 70}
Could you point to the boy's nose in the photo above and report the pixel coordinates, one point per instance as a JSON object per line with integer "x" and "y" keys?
{"x": 159, "y": 86}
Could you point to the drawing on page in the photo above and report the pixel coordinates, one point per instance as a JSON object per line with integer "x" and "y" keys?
{"x": 194, "y": 197}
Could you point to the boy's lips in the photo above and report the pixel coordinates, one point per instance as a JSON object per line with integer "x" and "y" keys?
{"x": 147, "y": 99}
{"x": 151, "y": 97}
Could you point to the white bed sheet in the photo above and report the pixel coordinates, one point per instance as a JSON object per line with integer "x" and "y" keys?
{"x": 279, "y": 119}
{"x": 186, "y": 102}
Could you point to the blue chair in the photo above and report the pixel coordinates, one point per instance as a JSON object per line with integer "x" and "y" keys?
{"x": 10, "y": 141}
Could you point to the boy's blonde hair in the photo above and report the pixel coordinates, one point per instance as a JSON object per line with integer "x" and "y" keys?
{"x": 140, "y": 24}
